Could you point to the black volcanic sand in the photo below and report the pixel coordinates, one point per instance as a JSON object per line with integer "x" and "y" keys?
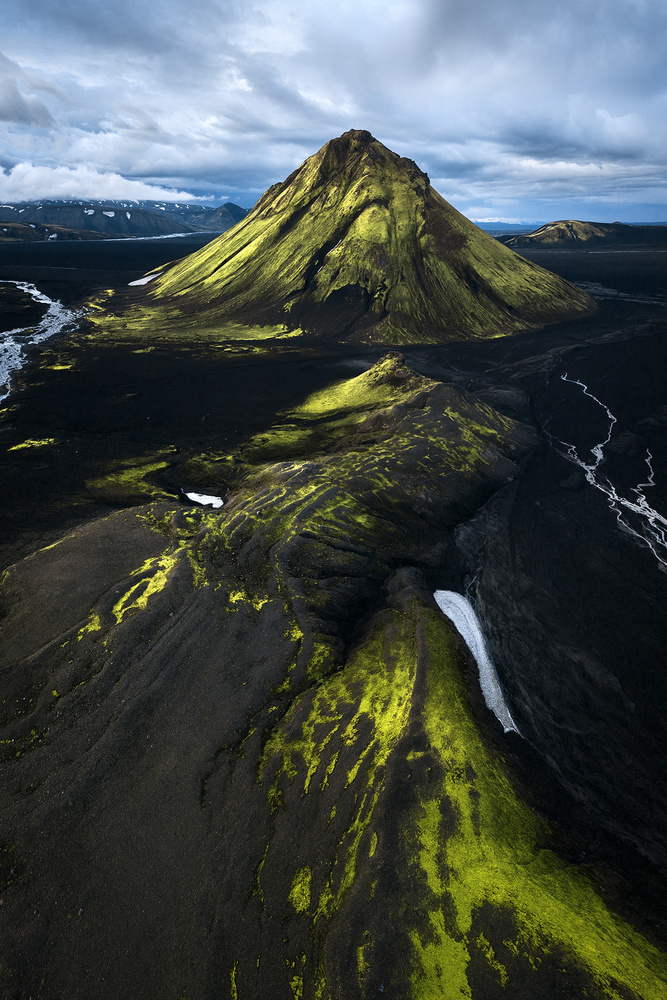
{"x": 134, "y": 823}
{"x": 19, "y": 309}
{"x": 71, "y": 273}
{"x": 636, "y": 270}
{"x": 595, "y": 592}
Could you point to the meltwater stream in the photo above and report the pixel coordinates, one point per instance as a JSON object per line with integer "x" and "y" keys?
{"x": 460, "y": 612}
{"x": 634, "y": 515}
{"x": 14, "y": 342}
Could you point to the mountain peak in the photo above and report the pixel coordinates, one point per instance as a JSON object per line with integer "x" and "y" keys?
{"x": 356, "y": 246}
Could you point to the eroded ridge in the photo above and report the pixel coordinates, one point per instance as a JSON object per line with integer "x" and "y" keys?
{"x": 251, "y": 727}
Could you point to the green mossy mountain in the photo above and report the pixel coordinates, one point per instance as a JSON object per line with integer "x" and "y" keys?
{"x": 356, "y": 247}
{"x": 264, "y": 747}
{"x": 570, "y": 231}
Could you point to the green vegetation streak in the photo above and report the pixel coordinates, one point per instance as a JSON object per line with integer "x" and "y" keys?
{"x": 493, "y": 851}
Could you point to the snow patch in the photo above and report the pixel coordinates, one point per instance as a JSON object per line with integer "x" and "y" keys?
{"x": 109, "y": 214}
{"x": 461, "y": 613}
{"x": 205, "y": 500}
{"x": 146, "y": 279}
{"x": 89, "y": 211}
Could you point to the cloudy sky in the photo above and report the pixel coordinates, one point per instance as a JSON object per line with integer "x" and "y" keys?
{"x": 517, "y": 109}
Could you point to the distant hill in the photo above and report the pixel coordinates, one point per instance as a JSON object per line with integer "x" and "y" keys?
{"x": 354, "y": 246}
{"x": 572, "y": 231}
{"x": 24, "y": 232}
{"x": 77, "y": 220}
{"x": 217, "y": 219}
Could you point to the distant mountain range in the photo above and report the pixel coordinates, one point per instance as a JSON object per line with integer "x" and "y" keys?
{"x": 569, "y": 231}
{"x": 79, "y": 220}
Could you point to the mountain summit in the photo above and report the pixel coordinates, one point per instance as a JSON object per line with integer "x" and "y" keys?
{"x": 354, "y": 246}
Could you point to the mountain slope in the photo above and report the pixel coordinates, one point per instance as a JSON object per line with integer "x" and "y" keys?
{"x": 354, "y": 246}
{"x": 573, "y": 231}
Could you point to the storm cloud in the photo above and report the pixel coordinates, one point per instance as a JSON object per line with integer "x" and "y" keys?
{"x": 516, "y": 108}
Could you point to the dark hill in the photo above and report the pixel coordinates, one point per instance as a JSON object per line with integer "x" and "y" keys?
{"x": 31, "y": 232}
{"x": 354, "y": 246}
{"x": 216, "y": 219}
{"x": 569, "y": 231}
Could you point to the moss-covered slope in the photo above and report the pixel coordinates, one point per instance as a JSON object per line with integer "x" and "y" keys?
{"x": 240, "y": 756}
{"x": 355, "y": 246}
{"x": 571, "y": 231}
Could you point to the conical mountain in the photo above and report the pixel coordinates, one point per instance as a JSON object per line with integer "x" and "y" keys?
{"x": 354, "y": 246}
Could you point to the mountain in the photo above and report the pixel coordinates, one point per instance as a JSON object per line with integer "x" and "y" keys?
{"x": 573, "y": 231}
{"x": 115, "y": 219}
{"x": 216, "y": 219}
{"x": 31, "y": 232}
{"x": 354, "y": 246}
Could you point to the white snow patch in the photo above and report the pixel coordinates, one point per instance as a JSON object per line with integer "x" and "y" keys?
{"x": 89, "y": 211}
{"x": 129, "y": 215}
{"x": 146, "y": 279}
{"x": 461, "y": 613}
{"x": 202, "y": 498}
{"x": 109, "y": 214}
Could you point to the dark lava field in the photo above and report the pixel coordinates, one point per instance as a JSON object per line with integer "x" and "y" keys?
{"x": 243, "y": 754}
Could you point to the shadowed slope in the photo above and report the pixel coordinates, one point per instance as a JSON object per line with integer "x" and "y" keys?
{"x": 354, "y": 246}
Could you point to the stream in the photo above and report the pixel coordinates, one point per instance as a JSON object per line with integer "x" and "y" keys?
{"x": 13, "y": 343}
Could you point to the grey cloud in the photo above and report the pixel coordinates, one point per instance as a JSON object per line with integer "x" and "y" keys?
{"x": 229, "y": 96}
{"x": 14, "y": 107}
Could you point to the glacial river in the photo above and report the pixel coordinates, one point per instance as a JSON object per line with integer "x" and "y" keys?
{"x": 13, "y": 343}
{"x": 634, "y": 514}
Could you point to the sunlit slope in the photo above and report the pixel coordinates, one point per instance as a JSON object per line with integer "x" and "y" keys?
{"x": 354, "y": 246}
